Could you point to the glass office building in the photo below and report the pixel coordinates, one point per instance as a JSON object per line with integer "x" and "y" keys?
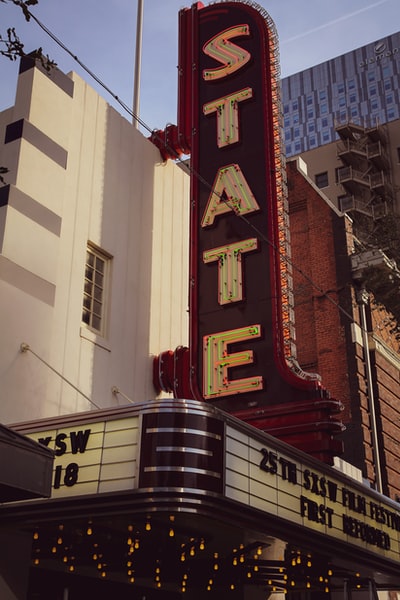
{"x": 361, "y": 86}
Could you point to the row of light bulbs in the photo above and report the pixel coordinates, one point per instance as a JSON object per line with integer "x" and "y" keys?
{"x": 281, "y": 582}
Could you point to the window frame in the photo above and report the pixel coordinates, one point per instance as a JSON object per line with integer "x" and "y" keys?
{"x": 324, "y": 177}
{"x": 97, "y": 321}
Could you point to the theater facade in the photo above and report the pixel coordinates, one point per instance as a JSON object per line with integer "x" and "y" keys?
{"x": 209, "y": 470}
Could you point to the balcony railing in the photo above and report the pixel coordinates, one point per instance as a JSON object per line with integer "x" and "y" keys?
{"x": 349, "y": 175}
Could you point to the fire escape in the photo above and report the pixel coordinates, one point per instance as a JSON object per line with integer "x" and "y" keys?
{"x": 366, "y": 174}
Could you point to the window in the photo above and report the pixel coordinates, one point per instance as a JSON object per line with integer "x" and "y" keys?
{"x": 371, "y": 76}
{"x": 372, "y": 91}
{"x": 386, "y": 70}
{"x": 286, "y": 122}
{"x": 389, "y": 99}
{"x": 310, "y": 113}
{"x": 353, "y": 97}
{"x": 342, "y": 101}
{"x": 296, "y": 132}
{"x": 351, "y": 84}
{"x": 295, "y": 105}
{"x": 324, "y": 122}
{"x": 95, "y": 288}
{"x": 296, "y": 119}
{"x": 312, "y": 142}
{"x": 321, "y": 179}
{"x": 309, "y": 100}
{"x": 324, "y": 109}
{"x": 322, "y": 95}
{"x": 387, "y": 85}
{"x": 311, "y": 127}
{"x": 326, "y": 137}
{"x": 374, "y": 105}
{"x": 297, "y": 147}
{"x": 340, "y": 88}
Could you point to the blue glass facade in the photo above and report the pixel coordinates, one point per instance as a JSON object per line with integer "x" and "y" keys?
{"x": 361, "y": 86}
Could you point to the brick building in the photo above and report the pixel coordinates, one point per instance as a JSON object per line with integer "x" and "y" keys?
{"x": 330, "y": 333}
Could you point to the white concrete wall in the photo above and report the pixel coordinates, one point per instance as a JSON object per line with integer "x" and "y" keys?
{"x": 116, "y": 193}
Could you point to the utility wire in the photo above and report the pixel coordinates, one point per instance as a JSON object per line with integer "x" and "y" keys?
{"x": 190, "y": 168}
{"x": 26, "y": 348}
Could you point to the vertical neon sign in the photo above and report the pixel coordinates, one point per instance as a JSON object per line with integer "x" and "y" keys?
{"x": 240, "y": 335}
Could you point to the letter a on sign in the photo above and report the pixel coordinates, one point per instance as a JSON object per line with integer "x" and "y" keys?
{"x": 230, "y": 192}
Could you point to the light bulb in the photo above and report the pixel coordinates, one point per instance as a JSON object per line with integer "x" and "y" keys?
{"x": 171, "y": 532}
{"x": 148, "y": 526}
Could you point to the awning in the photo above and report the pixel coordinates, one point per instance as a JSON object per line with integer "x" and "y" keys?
{"x": 25, "y": 467}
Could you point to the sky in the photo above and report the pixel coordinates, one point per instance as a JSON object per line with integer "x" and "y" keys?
{"x": 102, "y": 35}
